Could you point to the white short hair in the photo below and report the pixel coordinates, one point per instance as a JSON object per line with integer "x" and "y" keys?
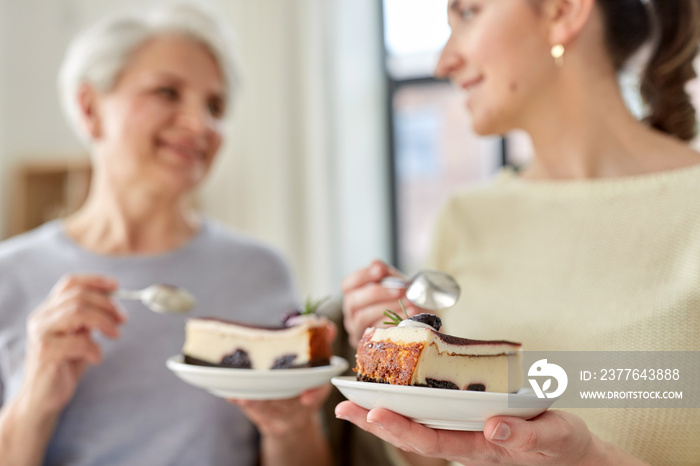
{"x": 99, "y": 54}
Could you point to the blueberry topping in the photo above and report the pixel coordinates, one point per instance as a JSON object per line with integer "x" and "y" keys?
{"x": 289, "y": 315}
{"x": 477, "y": 387}
{"x": 284, "y": 362}
{"x": 239, "y": 360}
{"x": 428, "y": 319}
{"x": 441, "y": 384}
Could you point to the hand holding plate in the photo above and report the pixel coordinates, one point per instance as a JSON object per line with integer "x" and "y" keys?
{"x": 554, "y": 437}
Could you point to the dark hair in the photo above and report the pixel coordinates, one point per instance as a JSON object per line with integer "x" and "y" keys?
{"x": 628, "y": 25}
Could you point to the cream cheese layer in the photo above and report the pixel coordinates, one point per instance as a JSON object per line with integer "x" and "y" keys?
{"x": 211, "y": 340}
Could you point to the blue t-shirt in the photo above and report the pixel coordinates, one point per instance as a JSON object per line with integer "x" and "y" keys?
{"x": 130, "y": 409}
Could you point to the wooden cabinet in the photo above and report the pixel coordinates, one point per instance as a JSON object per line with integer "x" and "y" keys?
{"x": 46, "y": 190}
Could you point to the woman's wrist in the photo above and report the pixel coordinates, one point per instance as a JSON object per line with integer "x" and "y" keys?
{"x": 35, "y": 408}
{"x": 304, "y": 444}
{"x": 603, "y": 453}
{"x": 25, "y": 430}
{"x": 299, "y": 431}
{"x": 33, "y": 415}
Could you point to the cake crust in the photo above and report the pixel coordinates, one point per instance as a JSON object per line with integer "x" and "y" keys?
{"x": 387, "y": 362}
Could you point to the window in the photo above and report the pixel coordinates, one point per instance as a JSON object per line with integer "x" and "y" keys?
{"x": 434, "y": 151}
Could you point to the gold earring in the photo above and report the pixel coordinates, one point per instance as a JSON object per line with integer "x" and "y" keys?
{"x": 558, "y": 55}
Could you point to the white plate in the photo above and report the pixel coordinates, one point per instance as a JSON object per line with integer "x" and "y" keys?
{"x": 440, "y": 408}
{"x": 252, "y": 384}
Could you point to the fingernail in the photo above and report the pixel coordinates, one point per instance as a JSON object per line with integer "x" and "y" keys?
{"x": 339, "y": 415}
{"x": 501, "y": 432}
{"x": 375, "y": 423}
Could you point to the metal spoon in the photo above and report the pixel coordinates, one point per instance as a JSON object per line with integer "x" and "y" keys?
{"x": 429, "y": 289}
{"x": 164, "y": 299}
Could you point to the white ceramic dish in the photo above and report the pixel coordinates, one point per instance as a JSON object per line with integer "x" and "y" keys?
{"x": 255, "y": 385}
{"x": 440, "y": 408}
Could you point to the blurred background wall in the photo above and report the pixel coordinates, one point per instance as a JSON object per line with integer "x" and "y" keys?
{"x": 340, "y": 148}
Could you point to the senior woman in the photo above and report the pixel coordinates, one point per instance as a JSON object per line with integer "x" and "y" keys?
{"x": 148, "y": 94}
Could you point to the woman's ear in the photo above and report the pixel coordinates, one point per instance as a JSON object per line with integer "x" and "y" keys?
{"x": 567, "y": 18}
{"x": 88, "y": 103}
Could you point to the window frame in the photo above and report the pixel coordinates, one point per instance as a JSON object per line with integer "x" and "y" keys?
{"x": 393, "y": 86}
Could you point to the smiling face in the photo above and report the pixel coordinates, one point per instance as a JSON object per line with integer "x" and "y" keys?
{"x": 160, "y": 126}
{"x": 499, "y": 55}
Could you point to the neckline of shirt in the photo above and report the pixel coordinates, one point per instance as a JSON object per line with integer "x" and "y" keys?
{"x": 507, "y": 177}
{"x": 68, "y": 242}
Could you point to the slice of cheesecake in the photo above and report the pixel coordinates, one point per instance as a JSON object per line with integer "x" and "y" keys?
{"x": 214, "y": 342}
{"x": 414, "y": 353}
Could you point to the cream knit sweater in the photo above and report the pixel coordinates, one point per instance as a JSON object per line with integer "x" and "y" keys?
{"x": 606, "y": 264}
